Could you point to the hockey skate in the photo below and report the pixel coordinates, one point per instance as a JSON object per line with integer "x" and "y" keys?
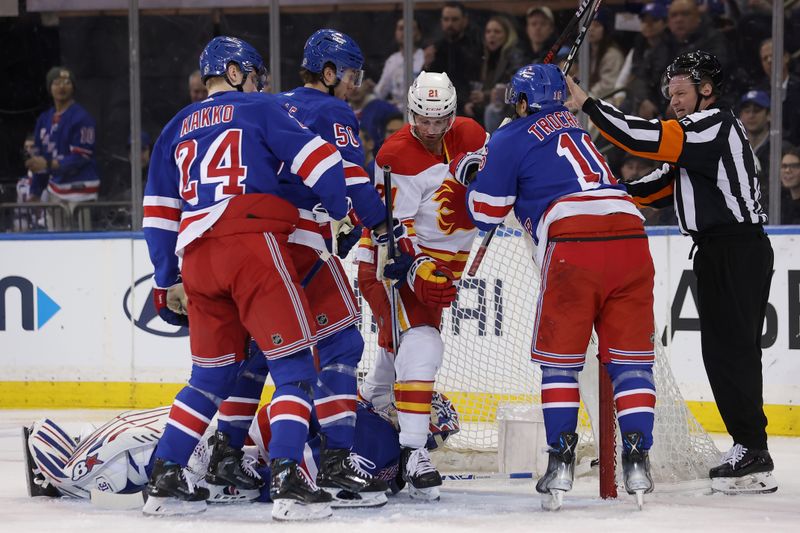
{"x": 294, "y": 495}
{"x": 744, "y": 471}
{"x": 169, "y": 492}
{"x": 37, "y": 483}
{"x": 636, "y": 467}
{"x": 230, "y": 477}
{"x": 421, "y": 476}
{"x": 342, "y": 474}
{"x": 560, "y": 472}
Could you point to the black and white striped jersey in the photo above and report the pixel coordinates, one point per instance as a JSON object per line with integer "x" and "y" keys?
{"x": 710, "y": 171}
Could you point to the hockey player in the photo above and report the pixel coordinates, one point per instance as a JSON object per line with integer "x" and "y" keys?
{"x": 711, "y": 177}
{"x": 431, "y": 205}
{"x": 331, "y": 70}
{"x": 595, "y": 265}
{"x": 64, "y": 138}
{"x": 213, "y": 197}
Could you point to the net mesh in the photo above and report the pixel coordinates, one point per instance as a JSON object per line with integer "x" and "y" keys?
{"x": 487, "y": 337}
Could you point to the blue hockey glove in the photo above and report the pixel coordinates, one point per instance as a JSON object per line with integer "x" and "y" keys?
{"x": 464, "y": 167}
{"x": 346, "y": 240}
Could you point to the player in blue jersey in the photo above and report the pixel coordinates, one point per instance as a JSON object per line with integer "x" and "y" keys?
{"x": 595, "y": 266}
{"x": 331, "y": 70}
{"x": 213, "y": 196}
{"x": 64, "y": 138}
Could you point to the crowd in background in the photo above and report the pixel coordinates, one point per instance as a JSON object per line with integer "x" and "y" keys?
{"x": 630, "y": 46}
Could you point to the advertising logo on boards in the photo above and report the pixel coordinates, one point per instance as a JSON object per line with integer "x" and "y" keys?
{"x": 138, "y": 305}
{"x": 36, "y": 306}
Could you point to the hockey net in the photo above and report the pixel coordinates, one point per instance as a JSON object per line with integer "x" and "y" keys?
{"x": 487, "y": 337}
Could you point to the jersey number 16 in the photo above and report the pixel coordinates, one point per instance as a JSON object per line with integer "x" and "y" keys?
{"x": 588, "y": 163}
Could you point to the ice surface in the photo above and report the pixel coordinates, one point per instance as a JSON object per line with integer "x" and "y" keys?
{"x": 490, "y": 506}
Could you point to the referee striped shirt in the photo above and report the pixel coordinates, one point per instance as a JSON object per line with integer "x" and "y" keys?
{"x": 710, "y": 170}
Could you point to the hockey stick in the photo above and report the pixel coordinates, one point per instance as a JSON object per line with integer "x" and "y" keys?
{"x": 588, "y": 8}
{"x": 390, "y": 244}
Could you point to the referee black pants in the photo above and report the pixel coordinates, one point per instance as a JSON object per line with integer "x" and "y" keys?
{"x": 734, "y": 273}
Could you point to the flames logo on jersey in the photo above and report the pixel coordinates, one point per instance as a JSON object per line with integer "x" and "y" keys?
{"x": 452, "y": 212}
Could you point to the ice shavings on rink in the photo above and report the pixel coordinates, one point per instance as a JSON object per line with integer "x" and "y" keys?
{"x": 492, "y": 506}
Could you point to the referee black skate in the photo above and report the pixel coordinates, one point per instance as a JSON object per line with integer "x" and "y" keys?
{"x": 709, "y": 175}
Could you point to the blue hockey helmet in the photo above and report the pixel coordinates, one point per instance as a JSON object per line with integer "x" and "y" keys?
{"x": 444, "y": 421}
{"x": 543, "y": 85}
{"x": 331, "y": 46}
{"x": 222, "y": 51}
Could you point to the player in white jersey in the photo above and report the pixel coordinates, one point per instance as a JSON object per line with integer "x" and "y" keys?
{"x": 431, "y": 204}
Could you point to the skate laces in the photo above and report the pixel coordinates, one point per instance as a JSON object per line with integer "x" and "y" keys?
{"x": 306, "y": 478}
{"x": 734, "y": 455}
{"x": 419, "y": 462}
{"x": 359, "y": 463}
{"x": 248, "y": 467}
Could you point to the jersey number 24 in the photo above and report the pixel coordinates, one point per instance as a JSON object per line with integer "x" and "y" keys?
{"x": 221, "y": 165}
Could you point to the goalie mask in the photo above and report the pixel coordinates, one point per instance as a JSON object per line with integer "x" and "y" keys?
{"x": 444, "y": 421}
{"x": 432, "y": 103}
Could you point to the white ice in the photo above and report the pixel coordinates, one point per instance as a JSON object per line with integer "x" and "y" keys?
{"x": 488, "y": 506}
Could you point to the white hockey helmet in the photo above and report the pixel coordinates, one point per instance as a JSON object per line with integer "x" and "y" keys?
{"x": 432, "y": 95}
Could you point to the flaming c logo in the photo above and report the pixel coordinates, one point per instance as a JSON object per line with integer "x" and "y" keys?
{"x": 452, "y": 210}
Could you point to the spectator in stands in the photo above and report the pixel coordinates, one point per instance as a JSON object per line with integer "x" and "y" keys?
{"x": 645, "y": 64}
{"x": 606, "y": 58}
{"x": 501, "y": 59}
{"x": 27, "y": 219}
{"x": 370, "y": 110}
{"x": 691, "y": 32}
{"x": 753, "y": 27}
{"x": 790, "y": 91}
{"x": 459, "y": 52}
{"x": 541, "y": 29}
{"x": 633, "y": 168}
{"x": 64, "y": 167}
{"x": 391, "y": 85}
{"x": 790, "y": 179}
{"x": 392, "y": 125}
{"x": 197, "y": 89}
{"x": 368, "y": 143}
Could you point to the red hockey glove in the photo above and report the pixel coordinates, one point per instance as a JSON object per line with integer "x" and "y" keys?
{"x": 431, "y": 283}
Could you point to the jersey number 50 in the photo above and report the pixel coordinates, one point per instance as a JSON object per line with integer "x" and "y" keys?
{"x": 591, "y": 170}
{"x": 222, "y": 165}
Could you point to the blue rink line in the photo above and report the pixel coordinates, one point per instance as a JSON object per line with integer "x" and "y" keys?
{"x": 138, "y": 235}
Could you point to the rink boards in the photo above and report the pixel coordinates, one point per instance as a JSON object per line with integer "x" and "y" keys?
{"x": 77, "y": 328}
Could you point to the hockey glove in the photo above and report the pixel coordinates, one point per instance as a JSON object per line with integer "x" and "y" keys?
{"x": 431, "y": 283}
{"x": 464, "y": 167}
{"x": 403, "y": 245}
{"x": 162, "y": 298}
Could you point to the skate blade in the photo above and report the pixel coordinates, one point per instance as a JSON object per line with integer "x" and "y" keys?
{"x": 117, "y": 502}
{"x": 639, "y": 498}
{"x": 428, "y": 494}
{"x": 230, "y": 494}
{"x": 288, "y": 510}
{"x": 166, "y": 506}
{"x": 553, "y": 501}
{"x": 345, "y": 499}
{"x": 758, "y": 483}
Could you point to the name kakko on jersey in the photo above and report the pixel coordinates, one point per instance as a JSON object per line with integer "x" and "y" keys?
{"x": 209, "y": 116}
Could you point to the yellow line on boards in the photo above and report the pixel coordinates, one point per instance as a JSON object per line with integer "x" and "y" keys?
{"x": 472, "y": 407}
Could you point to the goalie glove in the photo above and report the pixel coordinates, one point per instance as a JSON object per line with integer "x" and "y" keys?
{"x": 171, "y": 305}
{"x": 431, "y": 283}
{"x": 465, "y": 166}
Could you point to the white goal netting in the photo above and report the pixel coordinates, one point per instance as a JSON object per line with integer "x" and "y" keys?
{"x": 487, "y": 336}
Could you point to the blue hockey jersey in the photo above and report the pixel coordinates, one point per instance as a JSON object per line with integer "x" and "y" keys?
{"x": 335, "y": 122}
{"x": 228, "y": 145}
{"x": 547, "y": 168}
{"x": 68, "y": 138}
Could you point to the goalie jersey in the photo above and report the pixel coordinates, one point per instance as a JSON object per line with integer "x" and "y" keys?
{"x": 228, "y": 145}
{"x": 546, "y": 168}
{"x": 426, "y": 198}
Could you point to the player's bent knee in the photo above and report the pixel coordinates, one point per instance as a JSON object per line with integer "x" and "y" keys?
{"x": 620, "y": 373}
{"x": 420, "y": 354}
{"x": 292, "y": 369}
{"x": 344, "y": 347}
{"x": 217, "y": 381}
